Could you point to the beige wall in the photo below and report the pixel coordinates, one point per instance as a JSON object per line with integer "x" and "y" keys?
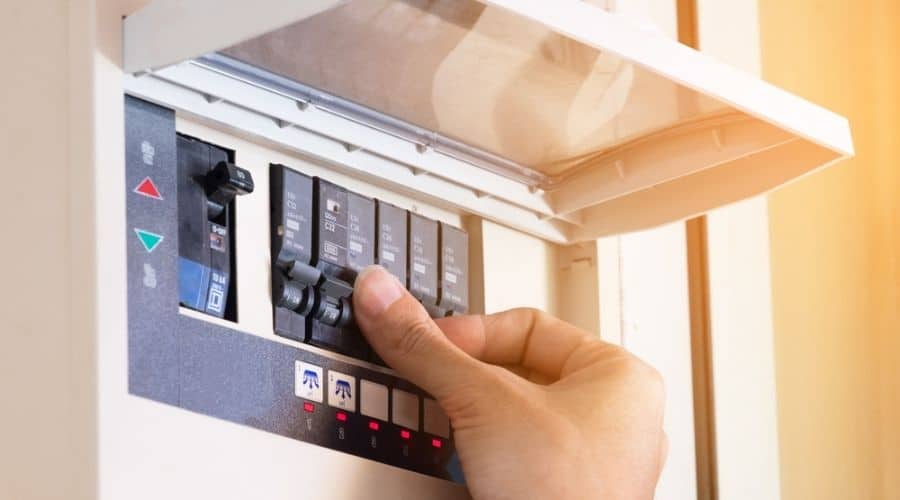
{"x": 46, "y": 271}
{"x": 834, "y": 240}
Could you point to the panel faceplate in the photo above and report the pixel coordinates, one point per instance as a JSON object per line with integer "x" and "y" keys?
{"x": 225, "y": 373}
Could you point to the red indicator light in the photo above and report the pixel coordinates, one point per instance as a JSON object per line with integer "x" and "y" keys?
{"x": 341, "y": 416}
{"x": 436, "y": 443}
{"x": 374, "y": 425}
{"x": 309, "y": 407}
{"x": 404, "y": 434}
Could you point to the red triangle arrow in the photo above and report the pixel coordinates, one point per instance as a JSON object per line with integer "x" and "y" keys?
{"x": 148, "y": 188}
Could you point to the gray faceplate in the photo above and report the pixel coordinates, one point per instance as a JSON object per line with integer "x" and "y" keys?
{"x": 219, "y": 371}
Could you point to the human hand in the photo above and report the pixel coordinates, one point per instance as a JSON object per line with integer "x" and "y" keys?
{"x": 539, "y": 408}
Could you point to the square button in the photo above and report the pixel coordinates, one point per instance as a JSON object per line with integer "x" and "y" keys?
{"x": 436, "y": 421}
{"x": 373, "y": 400}
{"x": 341, "y": 391}
{"x": 308, "y": 381}
{"x": 406, "y": 409}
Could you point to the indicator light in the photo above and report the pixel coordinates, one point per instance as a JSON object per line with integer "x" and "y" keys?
{"x": 404, "y": 434}
{"x": 309, "y": 407}
{"x": 436, "y": 443}
{"x": 341, "y": 416}
{"x": 374, "y": 425}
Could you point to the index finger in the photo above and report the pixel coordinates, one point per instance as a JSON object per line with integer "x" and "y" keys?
{"x": 525, "y": 337}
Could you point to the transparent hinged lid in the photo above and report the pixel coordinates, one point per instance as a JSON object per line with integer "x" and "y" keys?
{"x": 608, "y": 125}
{"x": 482, "y": 76}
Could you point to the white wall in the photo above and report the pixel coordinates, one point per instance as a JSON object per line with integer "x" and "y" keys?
{"x": 519, "y": 270}
{"x": 46, "y": 415}
{"x": 740, "y": 294}
{"x": 656, "y": 325}
{"x": 645, "y": 303}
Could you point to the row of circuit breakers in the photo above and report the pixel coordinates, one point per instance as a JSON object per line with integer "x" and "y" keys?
{"x": 322, "y": 236}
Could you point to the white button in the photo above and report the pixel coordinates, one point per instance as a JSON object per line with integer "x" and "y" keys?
{"x": 406, "y": 409}
{"x": 341, "y": 391}
{"x": 373, "y": 400}
{"x": 308, "y": 381}
{"x": 436, "y": 421}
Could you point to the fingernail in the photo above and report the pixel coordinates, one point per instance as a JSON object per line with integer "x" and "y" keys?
{"x": 375, "y": 291}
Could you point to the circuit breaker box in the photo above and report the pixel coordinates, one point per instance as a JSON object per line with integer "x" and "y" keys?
{"x": 243, "y": 172}
{"x": 337, "y": 202}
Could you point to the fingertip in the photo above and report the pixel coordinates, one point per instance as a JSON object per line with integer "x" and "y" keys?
{"x": 375, "y": 291}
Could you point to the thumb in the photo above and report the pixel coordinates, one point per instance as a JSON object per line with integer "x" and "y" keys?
{"x": 404, "y": 335}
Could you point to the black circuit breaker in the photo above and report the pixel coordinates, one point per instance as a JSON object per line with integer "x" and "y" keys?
{"x": 208, "y": 183}
{"x": 392, "y": 240}
{"x": 345, "y": 244}
{"x": 453, "y": 296}
{"x": 292, "y": 250}
{"x": 423, "y": 261}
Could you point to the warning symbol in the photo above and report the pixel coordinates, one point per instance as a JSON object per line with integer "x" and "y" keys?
{"x": 148, "y": 189}
{"x": 148, "y": 239}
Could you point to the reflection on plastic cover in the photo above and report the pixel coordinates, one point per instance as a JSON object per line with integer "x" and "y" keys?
{"x": 480, "y": 75}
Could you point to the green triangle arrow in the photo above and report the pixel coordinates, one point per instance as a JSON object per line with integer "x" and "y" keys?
{"x": 148, "y": 239}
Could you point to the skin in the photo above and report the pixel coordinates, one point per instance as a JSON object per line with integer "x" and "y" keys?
{"x": 540, "y": 409}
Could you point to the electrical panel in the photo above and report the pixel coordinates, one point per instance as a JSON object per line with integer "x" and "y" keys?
{"x": 313, "y": 377}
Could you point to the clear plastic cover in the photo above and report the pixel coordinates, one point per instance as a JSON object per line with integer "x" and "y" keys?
{"x": 480, "y": 75}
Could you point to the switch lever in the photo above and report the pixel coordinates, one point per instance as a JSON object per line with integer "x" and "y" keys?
{"x": 224, "y": 182}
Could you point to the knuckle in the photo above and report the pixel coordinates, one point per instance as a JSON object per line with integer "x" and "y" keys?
{"x": 414, "y": 337}
{"x": 532, "y": 315}
{"x": 645, "y": 376}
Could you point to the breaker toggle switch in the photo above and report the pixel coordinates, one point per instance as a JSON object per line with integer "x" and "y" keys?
{"x": 335, "y": 312}
{"x": 302, "y": 273}
{"x": 289, "y": 294}
{"x": 224, "y": 182}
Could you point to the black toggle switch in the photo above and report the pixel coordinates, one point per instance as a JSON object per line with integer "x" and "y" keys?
{"x": 305, "y": 273}
{"x": 335, "y": 312}
{"x": 292, "y": 295}
{"x": 224, "y": 182}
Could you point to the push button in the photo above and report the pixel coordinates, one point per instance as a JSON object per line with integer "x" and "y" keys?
{"x": 373, "y": 400}
{"x": 405, "y": 409}
{"x": 435, "y": 420}
{"x": 308, "y": 381}
{"x": 341, "y": 391}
